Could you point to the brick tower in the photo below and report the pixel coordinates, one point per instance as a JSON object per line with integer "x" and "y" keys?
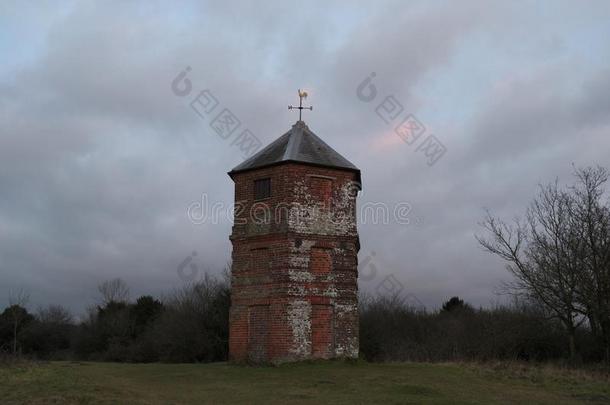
{"x": 295, "y": 245}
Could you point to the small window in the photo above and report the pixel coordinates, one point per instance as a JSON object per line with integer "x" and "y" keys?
{"x": 259, "y": 260}
{"x": 262, "y": 189}
{"x": 320, "y": 261}
{"x": 321, "y": 190}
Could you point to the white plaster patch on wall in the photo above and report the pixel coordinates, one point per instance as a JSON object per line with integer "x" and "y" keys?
{"x": 299, "y": 259}
{"x": 307, "y": 216}
{"x": 344, "y": 309}
{"x": 298, "y": 262}
{"x": 350, "y": 349}
{"x": 347, "y": 197}
{"x": 330, "y": 291}
{"x": 307, "y": 219}
{"x": 345, "y": 209}
{"x": 305, "y": 246}
{"x": 300, "y": 276}
{"x": 299, "y": 318}
{"x": 297, "y": 290}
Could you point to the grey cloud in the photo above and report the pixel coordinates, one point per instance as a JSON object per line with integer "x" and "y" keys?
{"x": 99, "y": 159}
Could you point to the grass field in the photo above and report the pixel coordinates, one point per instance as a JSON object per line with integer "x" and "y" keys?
{"x": 303, "y": 383}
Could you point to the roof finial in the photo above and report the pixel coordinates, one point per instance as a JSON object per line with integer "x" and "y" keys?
{"x": 302, "y": 95}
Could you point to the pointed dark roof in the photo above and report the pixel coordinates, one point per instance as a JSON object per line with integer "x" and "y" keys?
{"x": 300, "y": 145}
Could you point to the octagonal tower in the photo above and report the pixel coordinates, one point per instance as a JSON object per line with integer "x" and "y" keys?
{"x": 294, "y": 290}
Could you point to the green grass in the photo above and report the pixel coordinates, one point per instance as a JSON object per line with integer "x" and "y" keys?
{"x": 302, "y": 383}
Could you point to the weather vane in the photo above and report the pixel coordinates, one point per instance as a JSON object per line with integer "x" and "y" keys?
{"x": 302, "y": 95}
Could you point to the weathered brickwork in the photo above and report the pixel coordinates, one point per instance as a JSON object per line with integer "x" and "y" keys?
{"x": 294, "y": 273}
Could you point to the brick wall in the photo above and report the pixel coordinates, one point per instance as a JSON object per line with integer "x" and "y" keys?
{"x": 294, "y": 271}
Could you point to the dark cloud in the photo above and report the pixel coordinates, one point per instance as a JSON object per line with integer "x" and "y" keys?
{"x": 99, "y": 160}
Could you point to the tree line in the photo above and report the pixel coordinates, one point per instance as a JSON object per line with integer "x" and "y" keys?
{"x": 391, "y": 330}
{"x": 188, "y": 325}
{"x": 192, "y": 325}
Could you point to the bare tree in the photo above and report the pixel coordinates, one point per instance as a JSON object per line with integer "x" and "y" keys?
{"x": 115, "y": 290}
{"x": 17, "y": 313}
{"x": 55, "y": 314}
{"x": 542, "y": 253}
{"x": 591, "y": 217}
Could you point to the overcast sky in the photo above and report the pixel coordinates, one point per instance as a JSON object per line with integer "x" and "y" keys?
{"x": 100, "y": 159}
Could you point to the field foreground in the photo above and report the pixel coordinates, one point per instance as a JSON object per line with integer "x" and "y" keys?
{"x": 324, "y": 382}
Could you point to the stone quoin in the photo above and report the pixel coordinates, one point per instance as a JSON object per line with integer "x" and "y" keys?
{"x": 294, "y": 288}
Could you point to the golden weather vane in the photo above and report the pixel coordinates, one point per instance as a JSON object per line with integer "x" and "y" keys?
{"x": 302, "y": 95}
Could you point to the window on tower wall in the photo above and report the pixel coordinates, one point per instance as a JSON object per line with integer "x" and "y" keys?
{"x": 259, "y": 260}
{"x": 262, "y": 189}
{"x": 320, "y": 261}
{"x": 321, "y": 189}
